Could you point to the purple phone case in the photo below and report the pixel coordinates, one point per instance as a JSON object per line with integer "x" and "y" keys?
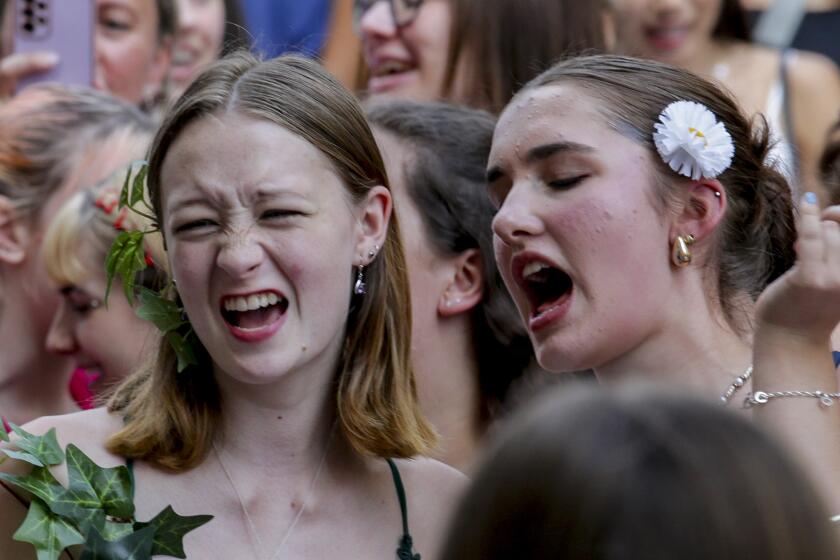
{"x": 64, "y": 27}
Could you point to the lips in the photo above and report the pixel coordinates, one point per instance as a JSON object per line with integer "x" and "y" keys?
{"x": 547, "y": 287}
{"x": 255, "y": 316}
{"x": 667, "y": 38}
{"x": 390, "y": 73}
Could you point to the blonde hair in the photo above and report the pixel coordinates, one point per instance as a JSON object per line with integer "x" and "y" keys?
{"x": 91, "y": 219}
{"x": 173, "y": 417}
{"x": 46, "y": 129}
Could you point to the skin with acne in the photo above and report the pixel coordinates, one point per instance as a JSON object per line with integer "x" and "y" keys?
{"x": 573, "y": 207}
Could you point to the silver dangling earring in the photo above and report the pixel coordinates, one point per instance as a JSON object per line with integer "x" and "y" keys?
{"x": 360, "y": 287}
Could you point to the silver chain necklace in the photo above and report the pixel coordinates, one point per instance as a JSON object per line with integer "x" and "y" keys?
{"x": 256, "y": 541}
{"x": 736, "y": 384}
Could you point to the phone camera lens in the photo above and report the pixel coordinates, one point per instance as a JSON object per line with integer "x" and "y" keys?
{"x": 28, "y": 27}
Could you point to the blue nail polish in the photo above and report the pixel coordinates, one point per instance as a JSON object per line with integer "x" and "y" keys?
{"x": 810, "y": 198}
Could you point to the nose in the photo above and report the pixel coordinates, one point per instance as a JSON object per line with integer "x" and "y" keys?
{"x": 378, "y": 21}
{"x": 186, "y": 14}
{"x": 517, "y": 219}
{"x": 240, "y": 255}
{"x": 60, "y": 338}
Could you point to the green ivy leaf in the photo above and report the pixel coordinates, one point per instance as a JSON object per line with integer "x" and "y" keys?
{"x": 124, "y": 195}
{"x": 24, "y": 456}
{"x": 49, "y": 533}
{"x": 113, "y": 531}
{"x": 183, "y": 349}
{"x": 170, "y": 529}
{"x": 40, "y": 482}
{"x": 3, "y": 435}
{"x": 138, "y": 187}
{"x": 125, "y": 258}
{"x": 164, "y": 313}
{"x": 95, "y": 487}
{"x": 136, "y": 546}
{"x": 44, "y": 448}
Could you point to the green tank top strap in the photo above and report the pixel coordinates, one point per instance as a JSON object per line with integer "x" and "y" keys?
{"x": 129, "y": 463}
{"x": 406, "y": 548}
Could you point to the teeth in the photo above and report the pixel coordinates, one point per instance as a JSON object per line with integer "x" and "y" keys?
{"x": 251, "y": 303}
{"x": 391, "y": 67}
{"x": 533, "y": 267}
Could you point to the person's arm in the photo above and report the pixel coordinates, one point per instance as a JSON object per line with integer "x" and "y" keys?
{"x": 814, "y": 89}
{"x": 795, "y": 317}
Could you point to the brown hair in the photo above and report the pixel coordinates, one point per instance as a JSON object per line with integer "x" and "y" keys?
{"x": 600, "y": 475}
{"x": 732, "y": 22}
{"x": 446, "y": 182}
{"x": 44, "y": 131}
{"x": 167, "y": 18}
{"x": 173, "y": 417}
{"x": 756, "y": 237}
{"x": 502, "y": 44}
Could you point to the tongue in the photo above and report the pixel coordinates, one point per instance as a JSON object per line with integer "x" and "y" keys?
{"x": 548, "y": 305}
{"x": 256, "y": 319}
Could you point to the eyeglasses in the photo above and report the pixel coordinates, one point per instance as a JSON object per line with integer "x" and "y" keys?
{"x": 403, "y": 11}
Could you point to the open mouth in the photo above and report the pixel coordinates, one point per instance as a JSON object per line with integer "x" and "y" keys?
{"x": 547, "y": 288}
{"x": 391, "y": 68}
{"x": 254, "y": 312}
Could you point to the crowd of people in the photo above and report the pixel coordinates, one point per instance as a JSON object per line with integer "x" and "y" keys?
{"x": 464, "y": 279}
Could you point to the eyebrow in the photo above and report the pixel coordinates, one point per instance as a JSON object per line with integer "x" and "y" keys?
{"x": 540, "y": 153}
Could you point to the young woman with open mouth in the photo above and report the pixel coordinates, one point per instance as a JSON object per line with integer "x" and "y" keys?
{"x": 474, "y": 52}
{"x": 642, "y": 256}
{"x": 292, "y": 426}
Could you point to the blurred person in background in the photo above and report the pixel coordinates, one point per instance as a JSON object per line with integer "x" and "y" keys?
{"x": 469, "y": 346}
{"x": 474, "y": 52}
{"x": 133, "y": 51}
{"x": 206, "y": 30}
{"x": 592, "y": 474}
{"x": 815, "y": 23}
{"x": 797, "y": 92}
{"x": 106, "y": 341}
{"x": 53, "y": 140}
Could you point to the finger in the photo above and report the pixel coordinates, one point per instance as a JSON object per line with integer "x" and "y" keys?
{"x": 23, "y": 64}
{"x": 832, "y": 213}
{"x": 831, "y": 238}
{"x": 809, "y": 243}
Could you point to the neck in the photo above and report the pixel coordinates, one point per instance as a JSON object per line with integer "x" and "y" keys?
{"x": 694, "y": 348}
{"x": 447, "y": 386}
{"x": 704, "y": 61}
{"x": 281, "y": 425}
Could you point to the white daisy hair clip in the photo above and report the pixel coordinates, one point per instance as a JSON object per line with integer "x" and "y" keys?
{"x": 692, "y": 141}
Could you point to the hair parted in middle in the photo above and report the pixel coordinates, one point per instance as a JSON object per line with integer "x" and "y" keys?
{"x": 173, "y": 417}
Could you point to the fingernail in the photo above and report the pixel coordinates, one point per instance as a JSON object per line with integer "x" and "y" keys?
{"x": 811, "y": 198}
{"x": 47, "y": 59}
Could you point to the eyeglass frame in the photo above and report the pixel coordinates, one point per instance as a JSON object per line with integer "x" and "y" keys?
{"x": 409, "y": 7}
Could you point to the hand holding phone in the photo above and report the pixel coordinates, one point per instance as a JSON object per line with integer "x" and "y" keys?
{"x": 53, "y": 42}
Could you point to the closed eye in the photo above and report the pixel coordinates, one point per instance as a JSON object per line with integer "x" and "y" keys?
{"x": 194, "y": 225}
{"x": 273, "y": 214}
{"x": 567, "y": 182}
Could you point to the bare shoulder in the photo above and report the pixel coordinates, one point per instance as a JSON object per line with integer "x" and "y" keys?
{"x": 813, "y": 68}
{"x": 88, "y": 430}
{"x": 433, "y": 491}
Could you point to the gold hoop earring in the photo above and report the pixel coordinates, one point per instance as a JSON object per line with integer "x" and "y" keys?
{"x": 680, "y": 253}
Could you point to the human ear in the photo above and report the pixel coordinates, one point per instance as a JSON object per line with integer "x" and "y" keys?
{"x": 12, "y": 234}
{"x": 466, "y": 286}
{"x": 373, "y": 218}
{"x": 703, "y": 208}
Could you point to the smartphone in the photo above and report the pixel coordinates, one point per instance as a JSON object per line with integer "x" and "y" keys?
{"x": 65, "y": 27}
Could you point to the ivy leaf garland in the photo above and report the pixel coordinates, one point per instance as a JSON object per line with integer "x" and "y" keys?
{"x": 96, "y": 509}
{"x": 127, "y": 257}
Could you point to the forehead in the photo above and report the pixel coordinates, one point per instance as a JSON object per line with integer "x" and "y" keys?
{"x": 549, "y": 114}
{"x": 223, "y": 153}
